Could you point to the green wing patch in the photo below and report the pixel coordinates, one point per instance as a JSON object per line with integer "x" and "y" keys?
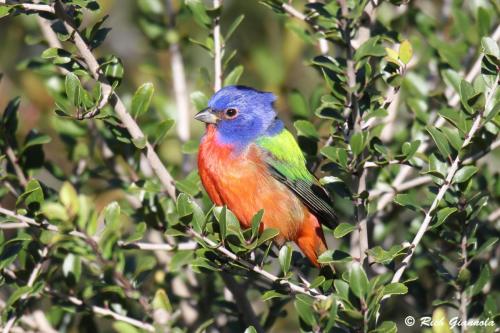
{"x": 288, "y": 165}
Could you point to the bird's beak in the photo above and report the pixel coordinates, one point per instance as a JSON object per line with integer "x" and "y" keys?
{"x": 206, "y": 116}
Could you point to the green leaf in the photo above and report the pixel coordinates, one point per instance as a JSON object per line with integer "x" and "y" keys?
{"x": 199, "y": 100}
{"x": 490, "y": 47}
{"x": 184, "y": 207}
{"x": 410, "y": 148}
{"x": 73, "y": 88}
{"x": 306, "y": 128}
{"x": 337, "y": 155}
{"x": 485, "y": 246}
{"x": 305, "y": 312}
{"x": 358, "y": 281}
{"x": 464, "y": 174}
{"x": 221, "y": 218}
{"x": 35, "y": 140}
{"x": 483, "y": 21}
{"x": 113, "y": 70}
{"x": 122, "y": 327}
{"x": 140, "y": 229}
{"x": 443, "y": 215}
{"x": 72, "y": 266}
{"x": 334, "y": 256}
{"x": 386, "y": 327}
{"x": 69, "y": 198}
{"x": 142, "y": 99}
{"x": 392, "y": 56}
{"x": 180, "y": 259}
{"x": 232, "y": 28}
{"x": 481, "y": 281}
{"x": 17, "y": 294}
{"x": 267, "y": 234}
{"x": 440, "y": 140}
{"x": 256, "y": 221}
{"x": 436, "y": 167}
{"x": 33, "y": 195}
{"x": 356, "y": 143}
{"x": 453, "y": 136}
{"x": 161, "y": 301}
{"x": 451, "y": 78}
{"x": 4, "y": 10}
{"x": 466, "y": 92}
{"x": 234, "y": 76}
{"x": 343, "y": 229}
{"x": 112, "y": 215}
{"x": 199, "y": 12}
{"x": 405, "y": 52}
{"x": 395, "y": 289}
{"x": 270, "y": 294}
{"x": 381, "y": 256}
{"x": 370, "y": 48}
{"x": 285, "y": 258}
{"x": 250, "y": 329}
{"x": 408, "y": 200}
{"x": 140, "y": 143}
{"x": 162, "y": 129}
{"x": 54, "y": 211}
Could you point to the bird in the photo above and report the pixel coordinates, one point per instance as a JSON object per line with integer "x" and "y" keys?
{"x": 248, "y": 161}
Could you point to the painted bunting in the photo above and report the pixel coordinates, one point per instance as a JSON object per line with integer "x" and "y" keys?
{"x": 248, "y": 161}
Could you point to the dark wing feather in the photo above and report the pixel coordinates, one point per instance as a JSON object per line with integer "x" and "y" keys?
{"x": 313, "y": 195}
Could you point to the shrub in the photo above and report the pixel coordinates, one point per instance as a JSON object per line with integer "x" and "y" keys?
{"x": 104, "y": 222}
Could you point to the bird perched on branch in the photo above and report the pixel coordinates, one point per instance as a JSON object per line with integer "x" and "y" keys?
{"x": 248, "y": 161}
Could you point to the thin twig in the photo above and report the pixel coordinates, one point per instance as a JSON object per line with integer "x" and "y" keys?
{"x": 422, "y": 180}
{"x": 32, "y": 7}
{"x": 25, "y": 222}
{"x": 179, "y": 81}
{"x": 494, "y": 216}
{"x": 15, "y": 164}
{"x": 217, "y": 50}
{"x": 454, "y": 101}
{"x": 120, "y": 109}
{"x": 476, "y": 125}
{"x": 102, "y": 311}
{"x": 296, "y": 289}
{"x": 353, "y": 119}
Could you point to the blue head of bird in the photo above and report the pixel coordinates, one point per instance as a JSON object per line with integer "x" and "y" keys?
{"x": 241, "y": 115}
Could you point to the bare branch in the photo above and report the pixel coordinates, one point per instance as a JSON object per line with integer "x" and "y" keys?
{"x": 104, "y": 312}
{"x": 476, "y": 125}
{"x": 15, "y": 164}
{"x": 454, "y": 101}
{"x": 25, "y": 222}
{"x": 179, "y": 81}
{"x": 120, "y": 109}
{"x": 296, "y": 289}
{"x": 217, "y": 50}
{"x": 494, "y": 215}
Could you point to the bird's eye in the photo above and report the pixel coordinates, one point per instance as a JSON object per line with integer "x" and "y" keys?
{"x": 231, "y": 113}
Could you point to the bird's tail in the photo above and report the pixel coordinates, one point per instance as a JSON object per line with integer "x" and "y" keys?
{"x": 311, "y": 240}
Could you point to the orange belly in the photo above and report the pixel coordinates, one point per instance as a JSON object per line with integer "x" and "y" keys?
{"x": 245, "y": 186}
